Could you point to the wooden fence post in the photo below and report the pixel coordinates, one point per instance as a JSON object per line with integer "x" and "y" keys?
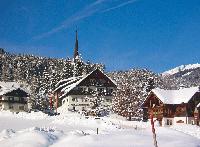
{"x": 50, "y": 102}
{"x": 153, "y": 130}
{"x": 56, "y": 101}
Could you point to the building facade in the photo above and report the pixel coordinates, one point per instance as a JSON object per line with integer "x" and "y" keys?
{"x": 84, "y": 92}
{"x": 173, "y": 106}
{"x": 13, "y": 97}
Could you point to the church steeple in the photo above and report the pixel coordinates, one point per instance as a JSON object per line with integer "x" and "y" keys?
{"x": 76, "y": 46}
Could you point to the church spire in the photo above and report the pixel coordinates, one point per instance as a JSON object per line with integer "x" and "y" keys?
{"x": 76, "y": 46}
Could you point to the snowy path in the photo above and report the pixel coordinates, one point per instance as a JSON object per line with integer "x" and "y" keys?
{"x": 75, "y": 131}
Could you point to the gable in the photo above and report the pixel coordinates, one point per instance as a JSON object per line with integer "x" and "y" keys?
{"x": 195, "y": 100}
{"x": 153, "y": 98}
{"x": 17, "y": 92}
{"x": 97, "y": 78}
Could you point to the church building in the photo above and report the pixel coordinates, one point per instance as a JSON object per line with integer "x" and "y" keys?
{"x": 81, "y": 93}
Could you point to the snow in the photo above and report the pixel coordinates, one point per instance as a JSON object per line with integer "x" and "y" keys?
{"x": 6, "y": 87}
{"x": 175, "y": 96}
{"x": 67, "y": 81}
{"x": 74, "y": 130}
{"x": 68, "y": 84}
{"x": 180, "y": 68}
{"x": 192, "y": 130}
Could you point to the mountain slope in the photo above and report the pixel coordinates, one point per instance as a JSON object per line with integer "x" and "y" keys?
{"x": 184, "y": 69}
{"x": 184, "y": 76}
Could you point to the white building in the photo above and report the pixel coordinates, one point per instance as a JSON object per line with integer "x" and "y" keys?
{"x": 77, "y": 93}
{"x": 13, "y": 97}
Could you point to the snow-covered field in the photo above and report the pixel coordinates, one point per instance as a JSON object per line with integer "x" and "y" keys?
{"x": 73, "y": 130}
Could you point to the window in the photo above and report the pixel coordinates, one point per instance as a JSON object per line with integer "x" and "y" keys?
{"x": 108, "y": 100}
{"x": 169, "y": 122}
{"x": 21, "y": 107}
{"x": 10, "y": 106}
{"x": 11, "y": 99}
{"x": 74, "y": 108}
{"x": 192, "y": 122}
{"x": 16, "y": 99}
{"x": 86, "y": 89}
{"x": 92, "y": 81}
{"x": 102, "y": 81}
{"x": 110, "y": 90}
{"x": 73, "y": 99}
{"x": 100, "y": 90}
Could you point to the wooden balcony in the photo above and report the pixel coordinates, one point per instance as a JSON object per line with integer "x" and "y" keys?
{"x": 13, "y": 101}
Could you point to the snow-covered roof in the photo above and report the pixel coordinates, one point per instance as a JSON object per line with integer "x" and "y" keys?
{"x": 198, "y": 105}
{"x": 175, "y": 96}
{"x": 9, "y": 86}
{"x": 67, "y": 85}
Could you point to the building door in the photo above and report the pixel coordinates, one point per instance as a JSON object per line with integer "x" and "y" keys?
{"x": 160, "y": 122}
{"x": 74, "y": 109}
{"x": 169, "y": 122}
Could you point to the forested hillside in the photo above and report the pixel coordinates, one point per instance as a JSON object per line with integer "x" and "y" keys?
{"x": 40, "y": 74}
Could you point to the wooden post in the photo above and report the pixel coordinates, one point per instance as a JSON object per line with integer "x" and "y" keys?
{"x": 56, "y": 101}
{"x": 97, "y": 131}
{"x": 50, "y": 102}
{"x": 153, "y": 130}
{"x": 136, "y": 127}
{"x": 196, "y": 116}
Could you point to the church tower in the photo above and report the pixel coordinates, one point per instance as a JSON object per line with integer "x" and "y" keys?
{"x": 76, "y": 54}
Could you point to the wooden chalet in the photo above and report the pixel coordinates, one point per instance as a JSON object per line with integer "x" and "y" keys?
{"x": 13, "y": 97}
{"x": 173, "y": 106}
{"x": 75, "y": 93}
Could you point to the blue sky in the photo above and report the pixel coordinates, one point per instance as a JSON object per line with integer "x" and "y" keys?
{"x": 122, "y": 34}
